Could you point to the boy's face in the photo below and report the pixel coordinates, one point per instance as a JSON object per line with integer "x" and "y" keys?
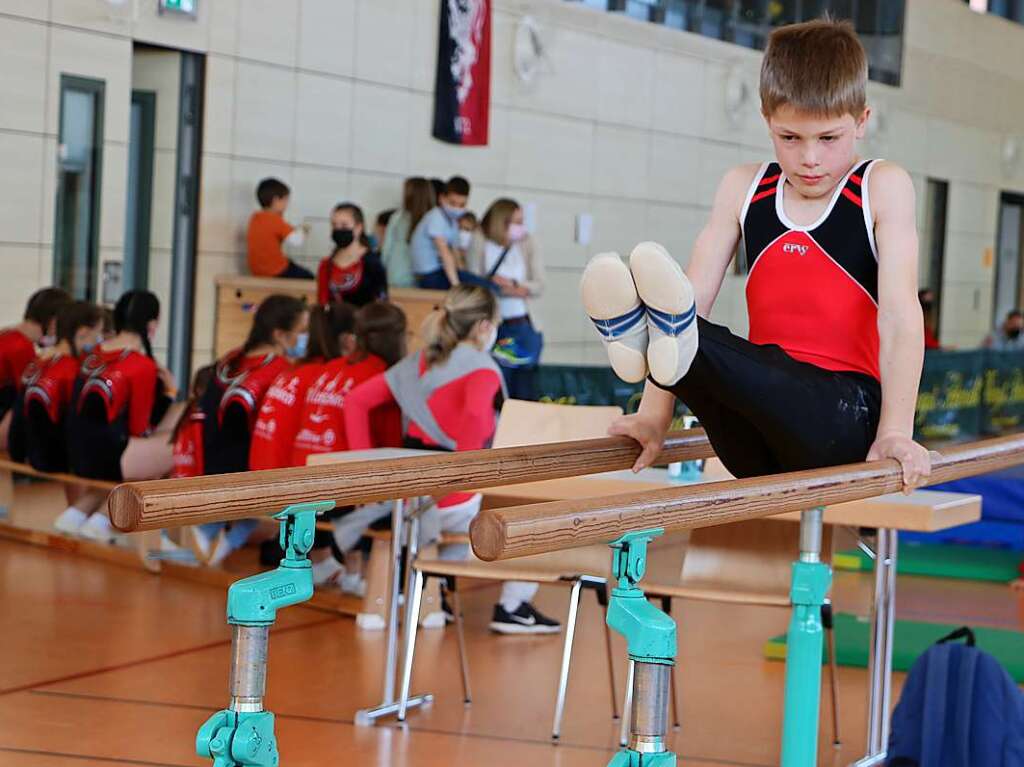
{"x": 455, "y": 201}
{"x": 815, "y": 152}
{"x": 279, "y": 204}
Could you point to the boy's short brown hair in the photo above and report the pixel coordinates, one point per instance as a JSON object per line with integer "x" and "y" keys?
{"x": 818, "y": 67}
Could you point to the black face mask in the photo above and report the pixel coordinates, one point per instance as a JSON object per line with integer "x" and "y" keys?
{"x": 343, "y": 237}
{"x": 1013, "y": 333}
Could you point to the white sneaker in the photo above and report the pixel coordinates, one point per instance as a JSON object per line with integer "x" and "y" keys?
{"x": 666, "y": 291}
{"x": 70, "y": 521}
{"x": 353, "y": 583}
{"x": 328, "y": 572}
{"x": 611, "y": 301}
{"x": 98, "y": 528}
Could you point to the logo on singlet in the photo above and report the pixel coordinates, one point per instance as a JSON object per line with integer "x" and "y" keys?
{"x": 792, "y": 247}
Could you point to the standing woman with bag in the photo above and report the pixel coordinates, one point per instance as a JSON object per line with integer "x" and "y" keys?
{"x": 508, "y": 257}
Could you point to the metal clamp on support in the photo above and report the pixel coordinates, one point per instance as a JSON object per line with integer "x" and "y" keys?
{"x": 804, "y": 645}
{"x": 651, "y": 639}
{"x": 242, "y": 735}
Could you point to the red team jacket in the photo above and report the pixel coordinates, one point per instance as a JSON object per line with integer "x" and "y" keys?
{"x": 278, "y": 421}
{"x": 188, "y": 445}
{"x": 322, "y": 421}
{"x": 16, "y": 352}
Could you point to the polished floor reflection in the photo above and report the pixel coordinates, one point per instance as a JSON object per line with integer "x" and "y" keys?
{"x": 105, "y": 665}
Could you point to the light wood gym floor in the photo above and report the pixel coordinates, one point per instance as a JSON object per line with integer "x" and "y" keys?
{"x": 104, "y": 665}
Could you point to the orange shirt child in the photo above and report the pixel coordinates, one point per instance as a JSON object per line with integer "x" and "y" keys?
{"x": 267, "y": 233}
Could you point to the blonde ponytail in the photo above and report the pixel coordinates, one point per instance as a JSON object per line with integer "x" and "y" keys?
{"x": 452, "y": 322}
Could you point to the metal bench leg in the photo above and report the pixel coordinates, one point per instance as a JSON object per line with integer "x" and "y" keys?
{"x": 460, "y": 634}
{"x": 563, "y": 677}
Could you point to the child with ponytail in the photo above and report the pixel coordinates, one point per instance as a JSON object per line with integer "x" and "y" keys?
{"x": 120, "y": 415}
{"x": 450, "y": 393}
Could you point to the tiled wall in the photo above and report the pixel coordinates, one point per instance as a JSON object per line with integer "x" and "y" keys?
{"x": 626, "y": 122}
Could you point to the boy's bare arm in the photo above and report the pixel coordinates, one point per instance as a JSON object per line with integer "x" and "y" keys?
{"x": 709, "y": 259}
{"x": 716, "y": 244}
{"x": 900, "y": 322}
{"x": 448, "y": 262}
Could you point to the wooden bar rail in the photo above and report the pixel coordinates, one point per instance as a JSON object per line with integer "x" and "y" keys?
{"x": 538, "y": 528}
{"x": 172, "y": 502}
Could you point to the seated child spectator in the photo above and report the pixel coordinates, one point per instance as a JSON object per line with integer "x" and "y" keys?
{"x": 449, "y": 392}
{"x": 232, "y": 401}
{"x": 353, "y": 273}
{"x": 435, "y": 238}
{"x": 331, "y": 335}
{"x": 38, "y": 417}
{"x": 269, "y": 232}
{"x": 120, "y": 415}
{"x": 469, "y": 228}
{"x": 187, "y": 438}
{"x": 379, "y": 344}
{"x": 18, "y": 347}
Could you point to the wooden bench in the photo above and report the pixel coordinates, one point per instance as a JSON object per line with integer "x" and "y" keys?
{"x": 238, "y": 296}
{"x": 144, "y": 543}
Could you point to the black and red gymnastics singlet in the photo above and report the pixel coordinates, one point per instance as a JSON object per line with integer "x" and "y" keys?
{"x": 813, "y": 290}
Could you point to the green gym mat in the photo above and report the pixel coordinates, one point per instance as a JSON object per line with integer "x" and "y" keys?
{"x": 911, "y": 638}
{"x": 942, "y": 561}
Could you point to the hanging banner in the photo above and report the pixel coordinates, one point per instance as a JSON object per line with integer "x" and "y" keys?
{"x": 462, "y": 90}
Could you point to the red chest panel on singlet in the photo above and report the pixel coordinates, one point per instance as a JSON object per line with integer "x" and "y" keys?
{"x": 814, "y": 290}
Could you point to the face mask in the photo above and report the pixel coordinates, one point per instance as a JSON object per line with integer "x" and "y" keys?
{"x": 455, "y": 213}
{"x": 516, "y": 232}
{"x": 47, "y": 341}
{"x": 1013, "y": 333}
{"x": 491, "y": 339}
{"x": 343, "y": 237}
{"x": 87, "y": 348}
{"x": 298, "y": 351}
{"x": 465, "y": 239}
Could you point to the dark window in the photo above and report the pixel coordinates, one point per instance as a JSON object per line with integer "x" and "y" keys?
{"x": 749, "y": 22}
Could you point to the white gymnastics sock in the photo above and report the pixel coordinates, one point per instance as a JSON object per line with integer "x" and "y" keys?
{"x": 610, "y": 300}
{"x": 671, "y": 311}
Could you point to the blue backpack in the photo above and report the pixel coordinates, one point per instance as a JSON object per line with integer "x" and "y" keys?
{"x": 959, "y": 708}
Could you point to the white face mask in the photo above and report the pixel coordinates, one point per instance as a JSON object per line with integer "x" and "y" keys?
{"x": 465, "y": 239}
{"x": 47, "y": 341}
{"x": 516, "y": 232}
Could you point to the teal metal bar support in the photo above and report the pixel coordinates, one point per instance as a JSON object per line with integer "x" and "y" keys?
{"x": 651, "y": 640}
{"x": 804, "y": 644}
{"x": 242, "y": 735}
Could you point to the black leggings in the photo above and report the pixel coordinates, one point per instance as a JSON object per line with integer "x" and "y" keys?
{"x": 765, "y": 412}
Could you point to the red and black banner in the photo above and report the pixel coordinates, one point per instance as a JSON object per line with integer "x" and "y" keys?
{"x": 462, "y": 91}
